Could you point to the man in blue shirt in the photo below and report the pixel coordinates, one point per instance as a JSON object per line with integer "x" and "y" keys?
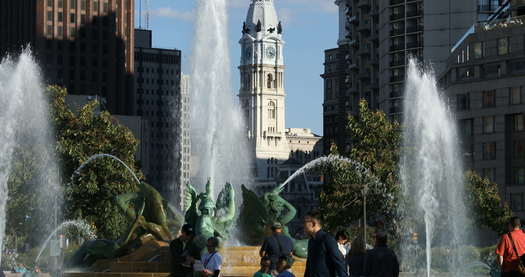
{"x": 324, "y": 258}
{"x": 276, "y": 245}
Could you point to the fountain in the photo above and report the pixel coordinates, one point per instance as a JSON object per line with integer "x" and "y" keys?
{"x": 25, "y": 126}
{"x": 432, "y": 170}
{"x": 217, "y": 129}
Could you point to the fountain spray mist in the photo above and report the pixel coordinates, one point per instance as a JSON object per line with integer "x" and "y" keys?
{"x": 218, "y": 134}
{"x": 24, "y": 126}
{"x": 431, "y": 168}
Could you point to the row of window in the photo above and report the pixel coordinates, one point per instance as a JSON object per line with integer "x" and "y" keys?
{"x": 155, "y": 70}
{"x": 488, "y": 99}
{"x": 158, "y": 58}
{"x": 155, "y": 92}
{"x": 478, "y": 50}
{"x": 83, "y": 4}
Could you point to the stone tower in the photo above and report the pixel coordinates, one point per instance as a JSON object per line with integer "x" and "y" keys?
{"x": 261, "y": 93}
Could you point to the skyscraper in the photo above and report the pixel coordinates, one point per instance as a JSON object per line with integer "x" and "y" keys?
{"x": 376, "y": 39}
{"x": 84, "y": 45}
{"x": 159, "y": 102}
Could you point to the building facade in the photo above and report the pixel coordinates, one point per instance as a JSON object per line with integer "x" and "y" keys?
{"x": 262, "y": 95}
{"x": 376, "y": 39}
{"x": 185, "y": 124}
{"x": 159, "y": 102}
{"x": 485, "y": 81}
{"x": 84, "y": 45}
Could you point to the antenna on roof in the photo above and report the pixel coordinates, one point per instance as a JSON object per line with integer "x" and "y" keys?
{"x": 147, "y": 14}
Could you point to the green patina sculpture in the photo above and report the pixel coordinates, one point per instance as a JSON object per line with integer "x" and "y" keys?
{"x": 147, "y": 210}
{"x": 208, "y": 218}
{"x": 259, "y": 213}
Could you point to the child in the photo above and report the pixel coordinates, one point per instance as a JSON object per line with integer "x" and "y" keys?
{"x": 265, "y": 268}
{"x": 284, "y": 267}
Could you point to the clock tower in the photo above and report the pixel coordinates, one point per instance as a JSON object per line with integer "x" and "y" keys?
{"x": 262, "y": 88}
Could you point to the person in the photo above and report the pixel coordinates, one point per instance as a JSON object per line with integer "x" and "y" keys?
{"x": 265, "y": 268}
{"x": 211, "y": 261}
{"x": 509, "y": 243}
{"x": 184, "y": 252}
{"x": 356, "y": 258}
{"x": 342, "y": 242}
{"x": 276, "y": 245}
{"x": 284, "y": 268}
{"x": 381, "y": 261}
{"x": 324, "y": 258}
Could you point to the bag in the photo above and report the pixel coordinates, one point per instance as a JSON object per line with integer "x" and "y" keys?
{"x": 521, "y": 266}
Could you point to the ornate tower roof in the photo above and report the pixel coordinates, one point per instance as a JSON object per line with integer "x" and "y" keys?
{"x": 262, "y": 19}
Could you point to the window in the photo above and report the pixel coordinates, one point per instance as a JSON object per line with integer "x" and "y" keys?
{"x": 516, "y": 201}
{"x": 83, "y": 4}
{"x": 50, "y": 30}
{"x": 468, "y": 53}
{"x": 515, "y": 96}
{"x": 82, "y": 19}
{"x": 60, "y": 31}
{"x": 106, "y": 7}
{"x": 50, "y": 16}
{"x": 50, "y": 3}
{"x": 489, "y": 151}
{"x": 519, "y": 175}
{"x": 463, "y": 102}
{"x": 519, "y": 149}
{"x": 517, "y": 122}
{"x": 269, "y": 81}
{"x": 489, "y": 173}
{"x": 503, "y": 46}
{"x": 466, "y": 127}
{"x": 488, "y": 124}
{"x": 95, "y": 5}
{"x": 489, "y": 99}
{"x": 60, "y": 3}
{"x": 271, "y": 110}
{"x": 72, "y": 18}
{"x": 72, "y": 31}
{"x": 60, "y": 17}
{"x": 478, "y": 50}
{"x": 73, "y": 4}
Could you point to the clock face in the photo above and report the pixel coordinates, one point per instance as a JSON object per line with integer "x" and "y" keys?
{"x": 270, "y": 52}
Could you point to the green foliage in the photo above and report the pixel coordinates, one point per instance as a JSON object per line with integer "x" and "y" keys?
{"x": 375, "y": 144}
{"x": 488, "y": 208}
{"x": 91, "y": 196}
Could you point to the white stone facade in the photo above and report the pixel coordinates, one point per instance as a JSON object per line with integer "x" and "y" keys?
{"x": 262, "y": 95}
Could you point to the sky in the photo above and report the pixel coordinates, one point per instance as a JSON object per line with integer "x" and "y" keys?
{"x": 309, "y": 28}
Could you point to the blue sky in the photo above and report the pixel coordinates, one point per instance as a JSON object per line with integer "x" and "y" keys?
{"x": 310, "y": 27}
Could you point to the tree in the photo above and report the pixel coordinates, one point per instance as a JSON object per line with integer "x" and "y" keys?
{"x": 485, "y": 201}
{"x": 91, "y": 196}
{"x": 375, "y": 144}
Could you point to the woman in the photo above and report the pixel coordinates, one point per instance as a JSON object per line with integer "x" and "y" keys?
{"x": 211, "y": 261}
{"x": 356, "y": 258}
{"x": 342, "y": 242}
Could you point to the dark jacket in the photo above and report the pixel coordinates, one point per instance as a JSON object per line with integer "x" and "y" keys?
{"x": 277, "y": 245}
{"x": 179, "y": 254}
{"x": 324, "y": 258}
{"x": 382, "y": 262}
{"x": 356, "y": 264}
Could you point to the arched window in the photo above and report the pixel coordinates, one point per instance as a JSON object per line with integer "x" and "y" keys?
{"x": 269, "y": 81}
{"x": 271, "y": 110}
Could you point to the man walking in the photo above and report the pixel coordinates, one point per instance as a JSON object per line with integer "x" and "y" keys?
{"x": 184, "y": 253}
{"x": 324, "y": 258}
{"x": 381, "y": 261}
{"x": 510, "y": 248}
{"x": 276, "y": 245}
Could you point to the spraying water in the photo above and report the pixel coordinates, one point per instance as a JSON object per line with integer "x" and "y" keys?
{"x": 102, "y": 155}
{"x": 431, "y": 168}
{"x": 24, "y": 126}
{"x": 85, "y": 231}
{"x": 218, "y": 135}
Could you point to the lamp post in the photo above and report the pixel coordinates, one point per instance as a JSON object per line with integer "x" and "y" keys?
{"x": 365, "y": 190}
